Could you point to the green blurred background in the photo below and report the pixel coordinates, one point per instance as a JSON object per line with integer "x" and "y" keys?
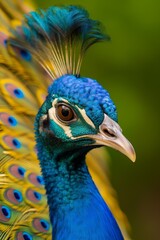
{"x": 129, "y": 67}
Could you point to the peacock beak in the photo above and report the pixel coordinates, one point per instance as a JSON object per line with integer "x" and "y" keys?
{"x": 110, "y": 134}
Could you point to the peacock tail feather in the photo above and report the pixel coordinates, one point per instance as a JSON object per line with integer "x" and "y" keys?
{"x": 25, "y": 74}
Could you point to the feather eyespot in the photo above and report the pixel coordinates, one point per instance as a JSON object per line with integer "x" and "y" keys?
{"x": 17, "y": 171}
{"x": 33, "y": 196}
{"x": 12, "y": 121}
{"x": 65, "y": 113}
{"x": 14, "y": 196}
{"x": 14, "y": 91}
{"x": 8, "y": 119}
{"x": 35, "y": 179}
{"x": 18, "y": 93}
{"x": 16, "y": 143}
{"x": 24, "y": 236}
{"x": 41, "y": 225}
{"x": 11, "y": 142}
{"x": 5, "y": 213}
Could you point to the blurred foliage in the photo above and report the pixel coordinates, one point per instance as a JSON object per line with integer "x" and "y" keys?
{"x": 128, "y": 67}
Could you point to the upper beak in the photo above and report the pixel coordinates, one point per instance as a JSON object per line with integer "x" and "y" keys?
{"x": 110, "y": 134}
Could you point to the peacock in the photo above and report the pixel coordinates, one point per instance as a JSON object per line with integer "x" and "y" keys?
{"x": 52, "y": 116}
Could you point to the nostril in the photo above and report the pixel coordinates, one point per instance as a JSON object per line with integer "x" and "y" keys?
{"x": 107, "y": 131}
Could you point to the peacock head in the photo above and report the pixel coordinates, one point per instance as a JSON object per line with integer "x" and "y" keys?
{"x": 78, "y": 114}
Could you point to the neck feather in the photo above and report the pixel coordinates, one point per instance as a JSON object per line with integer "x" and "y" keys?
{"x": 75, "y": 205}
{"x": 66, "y": 177}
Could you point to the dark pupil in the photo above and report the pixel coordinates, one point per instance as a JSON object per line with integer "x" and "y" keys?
{"x": 21, "y": 172}
{"x": 15, "y": 142}
{"x": 10, "y": 120}
{"x": 5, "y": 212}
{"x": 26, "y": 237}
{"x": 44, "y": 225}
{"x": 17, "y": 92}
{"x": 39, "y": 179}
{"x": 65, "y": 111}
{"x": 37, "y": 195}
{"x": 17, "y": 196}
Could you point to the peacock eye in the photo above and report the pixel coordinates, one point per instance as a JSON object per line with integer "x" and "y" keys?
{"x": 65, "y": 113}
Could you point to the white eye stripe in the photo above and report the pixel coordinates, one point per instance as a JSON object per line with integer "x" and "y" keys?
{"x": 85, "y": 117}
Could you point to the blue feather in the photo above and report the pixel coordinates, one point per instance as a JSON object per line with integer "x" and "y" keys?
{"x": 62, "y": 23}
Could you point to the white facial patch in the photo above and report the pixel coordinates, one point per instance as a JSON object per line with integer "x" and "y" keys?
{"x": 85, "y": 117}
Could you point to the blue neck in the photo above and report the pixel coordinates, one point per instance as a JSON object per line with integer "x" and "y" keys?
{"x": 77, "y": 210}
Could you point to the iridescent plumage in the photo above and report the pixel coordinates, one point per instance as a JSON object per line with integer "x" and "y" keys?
{"x": 33, "y": 54}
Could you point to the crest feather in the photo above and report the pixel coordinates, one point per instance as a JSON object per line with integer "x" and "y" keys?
{"x": 58, "y": 38}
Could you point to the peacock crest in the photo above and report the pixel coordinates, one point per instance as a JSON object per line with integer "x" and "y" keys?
{"x": 58, "y": 38}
